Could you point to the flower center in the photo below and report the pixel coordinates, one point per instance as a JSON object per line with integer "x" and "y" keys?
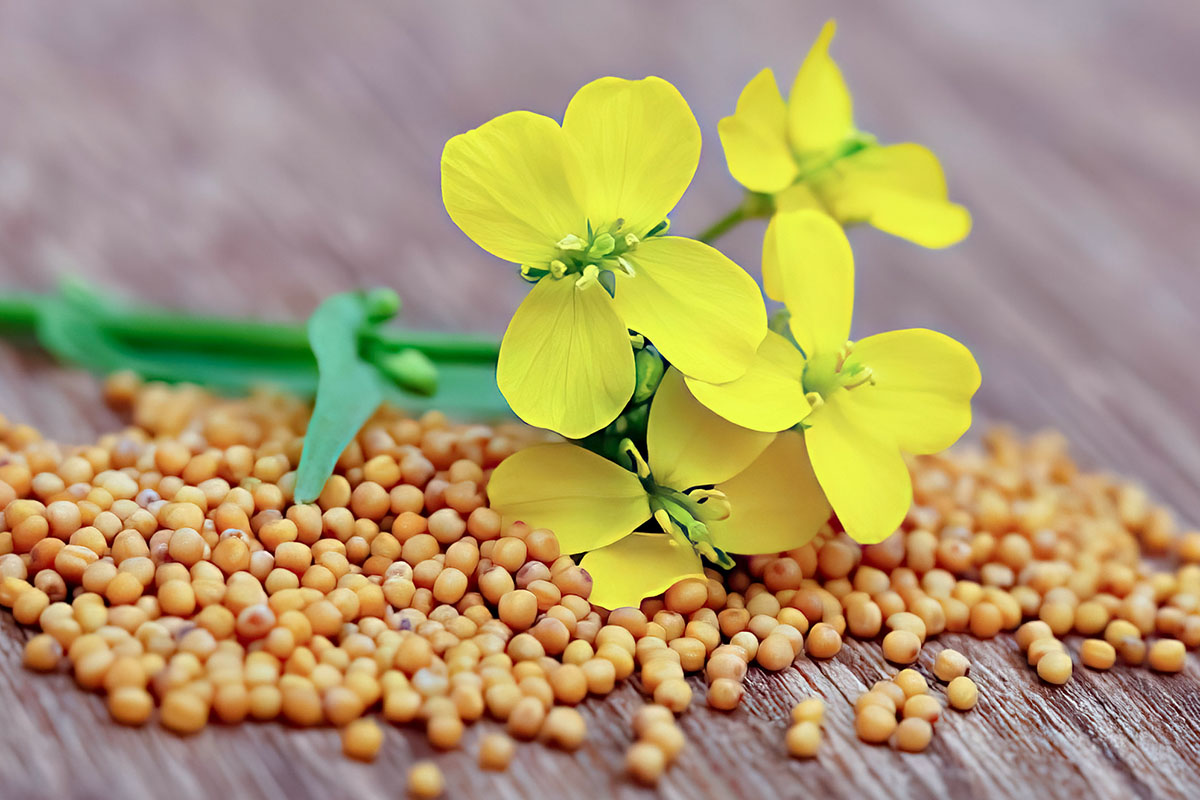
{"x": 825, "y": 373}
{"x": 811, "y": 164}
{"x": 682, "y": 515}
{"x": 596, "y": 257}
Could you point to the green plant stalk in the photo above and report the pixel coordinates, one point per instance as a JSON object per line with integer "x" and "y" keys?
{"x": 154, "y": 329}
{"x": 753, "y": 206}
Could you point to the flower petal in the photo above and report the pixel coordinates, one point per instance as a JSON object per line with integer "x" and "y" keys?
{"x": 769, "y": 397}
{"x": 703, "y": 312}
{"x": 587, "y": 500}
{"x": 820, "y": 113}
{"x": 816, "y": 271}
{"x": 861, "y": 470}
{"x": 639, "y": 145}
{"x": 777, "y": 503}
{"x": 899, "y": 189}
{"x": 755, "y": 137}
{"x": 688, "y": 445}
{"x": 924, "y": 381}
{"x": 510, "y": 185}
{"x": 794, "y": 198}
{"x": 639, "y": 566}
{"x": 565, "y": 362}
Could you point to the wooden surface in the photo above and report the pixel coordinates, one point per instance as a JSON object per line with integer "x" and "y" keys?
{"x": 253, "y": 157}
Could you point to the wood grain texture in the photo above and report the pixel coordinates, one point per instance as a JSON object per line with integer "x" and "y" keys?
{"x": 252, "y": 157}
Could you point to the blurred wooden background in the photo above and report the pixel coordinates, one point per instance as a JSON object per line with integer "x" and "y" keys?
{"x": 251, "y": 157}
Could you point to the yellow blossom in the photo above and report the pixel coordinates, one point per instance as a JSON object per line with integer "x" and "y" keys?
{"x": 712, "y": 487}
{"x": 582, "y": 208}
{"x": 807, "y": 153}
{"x": 860, "y": 404}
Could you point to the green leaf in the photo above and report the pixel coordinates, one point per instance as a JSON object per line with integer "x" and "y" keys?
{"x": 74, "y": 330}
{"x": 348, "y": 391}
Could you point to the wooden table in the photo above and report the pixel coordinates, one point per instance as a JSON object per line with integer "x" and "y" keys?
{"x": 251, "y": 158}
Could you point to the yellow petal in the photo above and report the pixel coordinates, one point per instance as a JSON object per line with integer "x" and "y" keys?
{"x": 816, "y": 270}
{"x": 511, "y": 185}
{"x": 703, "y": 312}
{"x": 587, "y": 500}
{"x": 565, "y": 362}
{"x": 861, "y": 472}
{"x": 777, "y": 503}
{"x": 924, "y": 381}
{"x": 769, "y": 397}
{"x": 639, "y": 566}
{"x": 755, "y": 137}
{"x": 639, "y": 145}
{"x": 691, "y": 446}
{"x": 797, "y": 197}
{"x": 820, "y": 112}
{"x": 899, "y": 189}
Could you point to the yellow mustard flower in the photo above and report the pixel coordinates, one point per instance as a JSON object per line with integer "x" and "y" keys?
{"x": 713, "y": 488}
{"x": 582, "y": 208}
{"x": 862, "y": 404}
{"x": 807, "y": 153}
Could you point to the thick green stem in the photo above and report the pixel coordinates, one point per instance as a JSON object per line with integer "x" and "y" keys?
{"x": 753, "y": 206}
{"x": 162, "y": 330}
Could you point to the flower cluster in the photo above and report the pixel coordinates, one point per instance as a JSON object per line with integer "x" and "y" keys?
{"x": 698, "y": 430}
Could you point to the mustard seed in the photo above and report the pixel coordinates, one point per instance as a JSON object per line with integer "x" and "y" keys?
{"x": 913, "y": 734}
{"x": 496, "y": 752}
{"x": 803, "y": 739}
{"x": 645, "y": 763}
{"x": 425, "y": 780}
{"x": 962, "y": 693}
{"x": 874, "y": 724}
{"x": 1167, "y": 655}
{"x": 811, "y": 709}
{"x": 1097, "y": 654}
{"x": 901, "y": 647}
{"x": 950, "y": 664}
{"x": 362, "y": 739}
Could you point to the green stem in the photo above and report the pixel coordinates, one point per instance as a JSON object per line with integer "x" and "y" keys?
{"x": 753, "y": 206}
{"x": 157, "y": 329}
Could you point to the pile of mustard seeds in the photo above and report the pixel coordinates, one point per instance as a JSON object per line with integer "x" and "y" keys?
{"x": 167, "y": 568}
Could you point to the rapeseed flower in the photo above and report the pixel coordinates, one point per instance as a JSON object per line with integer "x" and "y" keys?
{"x": 582, "y": 208}
{"x": 861, "y": 405}
{"x": 713, "y": 488}
{"x": 807, "y": 153}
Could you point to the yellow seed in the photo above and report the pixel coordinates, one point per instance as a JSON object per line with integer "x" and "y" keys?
{"x": 645, "y": 763}
{"x": 809, "y": 710}
{"x": 362, "y": 739}
{"x": 775, "y": 653}
{"x": 496, "y": 752}
{"x": 1097, "y": 654}
{"x": 1167, "y": 655}
{"x": 911, "y": 682}
{"x": 962, "y": 693}
{"x": 1041, "y": 647}
{"x": 913, "y": 734}
{"x": 950, "y": 664}
{"x": 1054, "y": 668}
{"x": 901, "y": 647}
{"x": 803, "y": 739}
{"x": 874, "y": 724}
{"x": 130, "y": 705}
{"x": 674, "y": 693}
{"x": 724, "y": 694}
{"x": 924, "y": 706}
{"x": 666, "y": 736}
{"x": 43, "y": 653}
{"x": 425, "y": 780}
{"x": 565, "y": 728}
{"x": 184, "y": 712}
